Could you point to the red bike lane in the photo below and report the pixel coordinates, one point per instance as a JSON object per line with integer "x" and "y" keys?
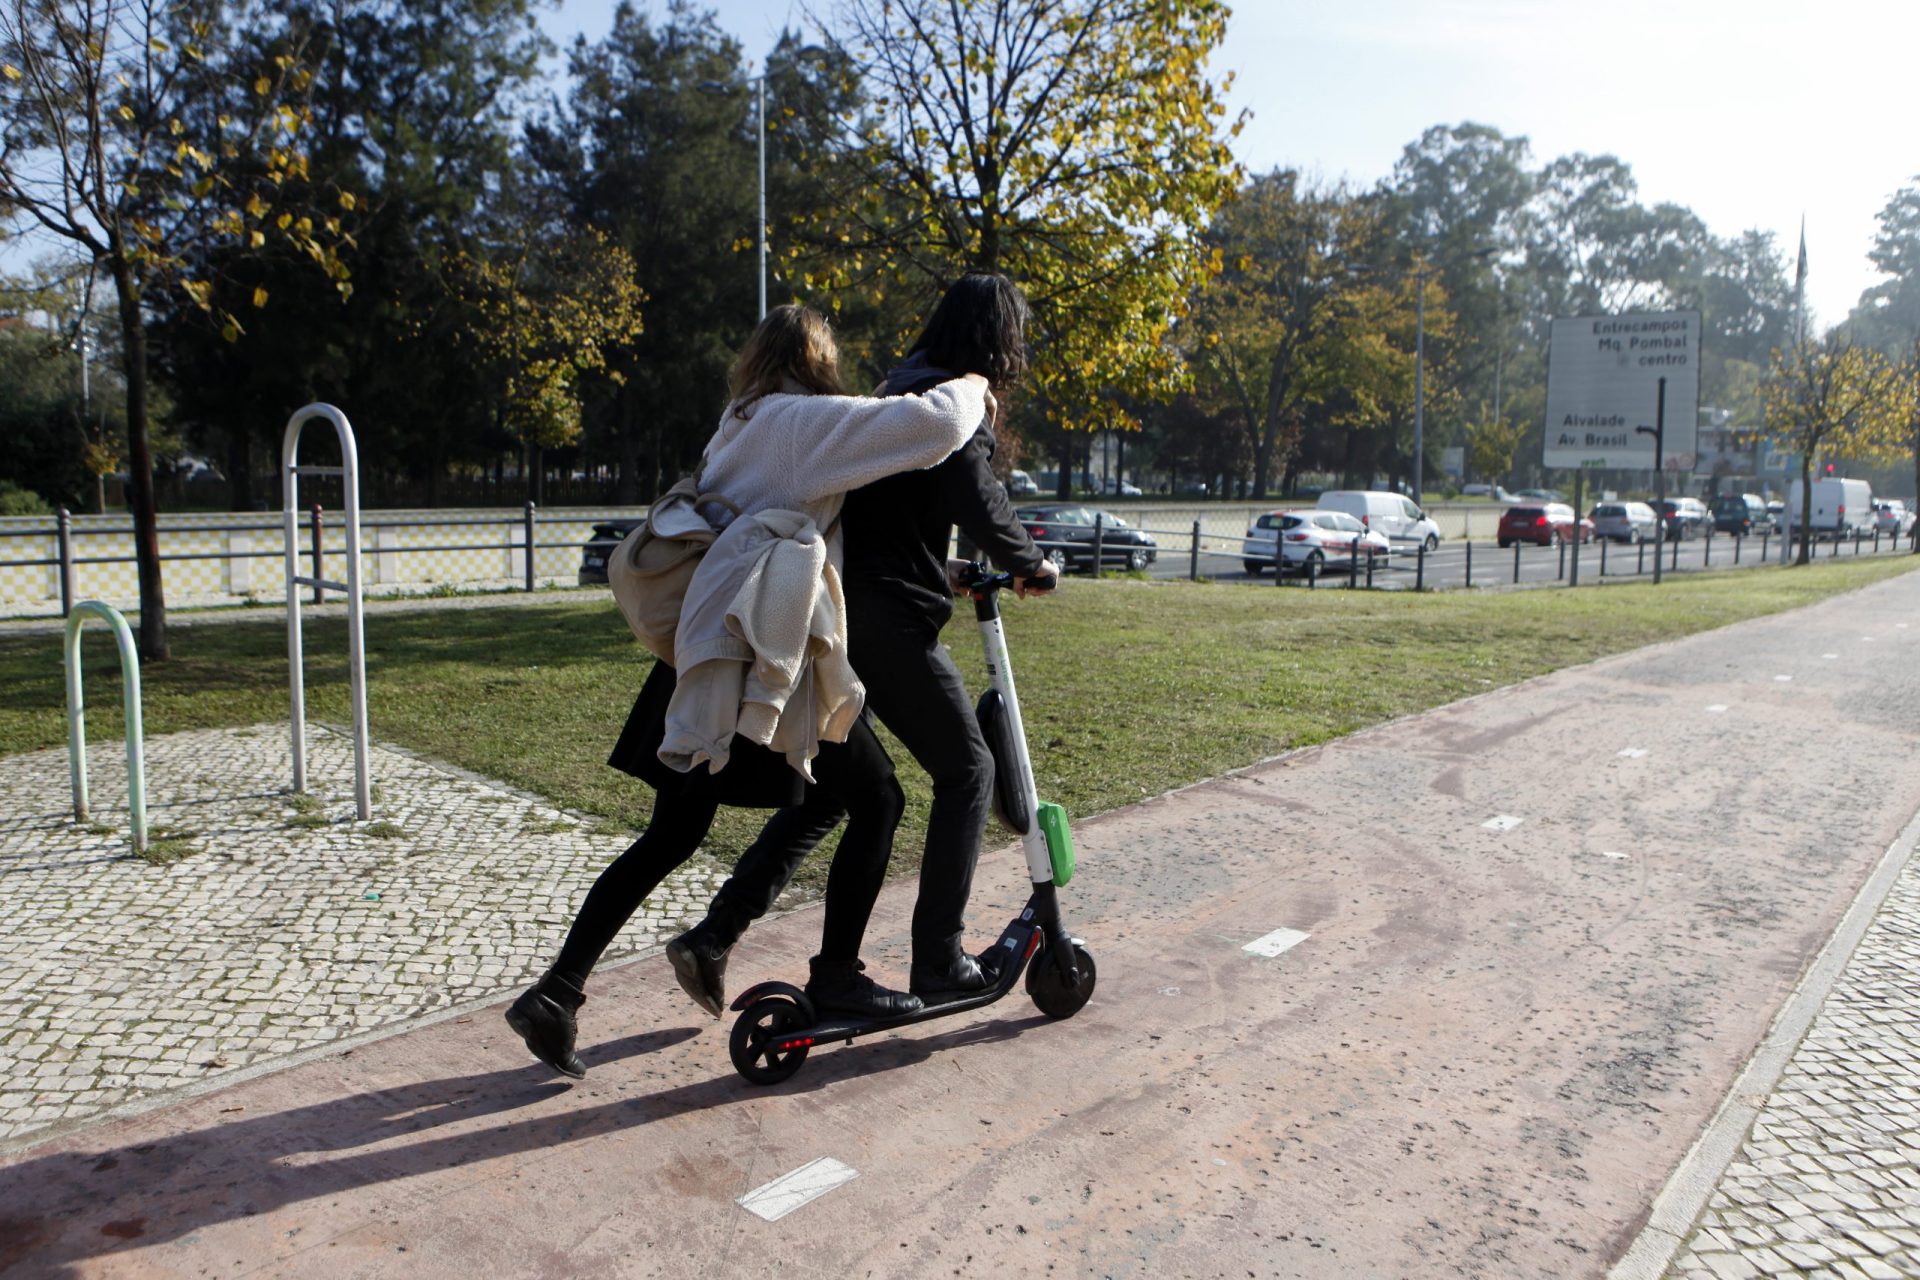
{"x": 1508, "y": 957}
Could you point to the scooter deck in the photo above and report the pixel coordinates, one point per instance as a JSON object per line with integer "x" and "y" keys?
{"x": 849, "y": 1028}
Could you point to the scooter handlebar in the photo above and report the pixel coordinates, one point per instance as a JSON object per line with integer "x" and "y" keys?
{"x": 979, "y": 577}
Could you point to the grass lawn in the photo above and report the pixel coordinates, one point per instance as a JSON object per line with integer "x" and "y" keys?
{"x": 1130, "y": 687}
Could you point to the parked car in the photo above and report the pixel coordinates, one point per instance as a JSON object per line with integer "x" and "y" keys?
{"x": 1685, "y": 517}
{"x": 1407, "y": 527}
{"x": 1890, "y": 515}
{"x": 1309, "y": 541}
{"x": 1628, "y": 522}
{"x": 1542, "y": 524}
{"x": 1021, "y": 485}
{"x": 1741, "y": 513}
{"x": 1777, "y": 513}
{"x": 1065, "y": 535}
{"x": 600, "y": 544}
{"x": 1541, "y": 495}
{"x": 1122, "y": 488}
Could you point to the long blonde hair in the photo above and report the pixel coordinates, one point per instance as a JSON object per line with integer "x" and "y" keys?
{"x": 792, "y": 342}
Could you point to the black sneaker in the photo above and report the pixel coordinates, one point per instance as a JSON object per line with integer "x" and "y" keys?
{"x": 548, "y": 1027}
{"x": 842, "y": 987}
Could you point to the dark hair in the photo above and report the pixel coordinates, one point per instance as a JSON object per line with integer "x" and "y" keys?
{"x": 792, "y": 342}
{"x": 979, "y": 327}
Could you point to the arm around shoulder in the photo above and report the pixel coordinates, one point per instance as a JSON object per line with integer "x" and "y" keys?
{"x": 850, "y": 441}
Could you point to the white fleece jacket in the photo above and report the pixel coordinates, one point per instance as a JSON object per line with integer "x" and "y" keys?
{"x": 762, "y": 639}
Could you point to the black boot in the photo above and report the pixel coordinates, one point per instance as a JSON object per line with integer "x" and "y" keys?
{"x": 842, "y": 987}
{"x": 958, "y": 975}
{"x": 699, "y": 956}
{"x": 543, "y": 1017}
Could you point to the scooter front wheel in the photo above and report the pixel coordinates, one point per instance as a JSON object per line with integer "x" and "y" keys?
{"x": 1052, "y": 994}
{"x": 757, "y": 1035}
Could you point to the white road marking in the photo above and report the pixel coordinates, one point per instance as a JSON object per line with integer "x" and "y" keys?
{"x": 1502, "y": 822}
{"x": 789, "y": 1191}
{"x": 1783, "y": 677}
{"x": 1717, "y": 706}
{"x": 1867, "y": 638}
{"x": 1276, "y": 942}
{"x": 1829, "y": 655}
{"x": 1631, "y": 753}
{"x": 1610, "y": 853}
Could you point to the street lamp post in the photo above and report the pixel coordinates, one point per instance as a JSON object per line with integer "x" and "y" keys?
{"x": 760, "y": 227}
{"x": 1659, "y": 433}
{"x": 1421, "y": 270}
{"x": 1419, "y": 380}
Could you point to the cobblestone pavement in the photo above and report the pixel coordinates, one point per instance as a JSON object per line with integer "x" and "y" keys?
{"x": 1828, "y": 1182}
{"x": 283, "y": 925}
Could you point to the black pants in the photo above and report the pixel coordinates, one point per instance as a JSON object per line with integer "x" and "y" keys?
{"x": 855, "y": 781}
{"x": 916, "y": 691}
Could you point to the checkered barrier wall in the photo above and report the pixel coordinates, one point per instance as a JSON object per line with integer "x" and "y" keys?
{"x": 219, "y": 558}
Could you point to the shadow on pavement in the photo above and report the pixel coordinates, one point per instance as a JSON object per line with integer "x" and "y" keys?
{"x": 66, "y": 1207}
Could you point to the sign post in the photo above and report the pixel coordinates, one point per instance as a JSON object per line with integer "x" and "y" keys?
{"x": 1603, "y": 377}
{"x": 1659, "y": 433}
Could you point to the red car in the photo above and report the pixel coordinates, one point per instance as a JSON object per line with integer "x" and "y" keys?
{"x": 1543, "y": 524}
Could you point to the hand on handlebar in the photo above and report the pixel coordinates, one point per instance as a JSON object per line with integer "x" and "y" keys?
{"x": 1041, "y": 583}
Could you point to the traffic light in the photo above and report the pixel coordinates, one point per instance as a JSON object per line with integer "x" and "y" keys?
{"x": 1829, "y": 468}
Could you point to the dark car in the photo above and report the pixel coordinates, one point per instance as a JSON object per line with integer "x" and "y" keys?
{"x": 1543, "y": 524}
{"x": 606, "y": 536}
{"x": 1683, "y": 517}
{"x": 1065, "y": 535}
{"x": 1741, "y": 513}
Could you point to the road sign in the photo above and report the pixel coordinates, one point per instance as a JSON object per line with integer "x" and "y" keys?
{"x": 1603, "y": 376}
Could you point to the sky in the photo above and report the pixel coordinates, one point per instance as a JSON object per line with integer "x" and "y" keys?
{"x": 1752, "y": 113}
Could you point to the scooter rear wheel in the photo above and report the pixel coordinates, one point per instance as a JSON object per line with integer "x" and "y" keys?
{"x": 1051, "y": 993}
{"x": 756, "y": 1031}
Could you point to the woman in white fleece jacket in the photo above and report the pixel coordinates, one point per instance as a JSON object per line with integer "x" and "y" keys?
{"x": 787, "y": 450}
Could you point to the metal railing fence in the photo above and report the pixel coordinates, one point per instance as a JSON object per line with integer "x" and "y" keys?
{"x": 1197, "y": 549}
{"x": 523, "y": 549}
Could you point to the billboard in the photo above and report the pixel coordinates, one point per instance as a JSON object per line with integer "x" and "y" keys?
{"x": 1603, "y": 375}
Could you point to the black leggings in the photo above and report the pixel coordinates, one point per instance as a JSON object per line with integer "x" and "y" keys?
{"x": 855, "y": 781}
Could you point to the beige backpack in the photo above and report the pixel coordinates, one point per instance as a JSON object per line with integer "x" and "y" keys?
{"x": 650, "y": 569}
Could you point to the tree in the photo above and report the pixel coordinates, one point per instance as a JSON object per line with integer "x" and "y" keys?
{"x": 1077, "y": 146}
{"x": 1888, "y": 316}
{"x": 100, "y": 146}
{"x": 1293, "y": 327}
{"x": 654, "y": 147}
{"x": 542, "y": 312}
{"x": 1456, "y": 193}
{"x": 1834, "y": 395}
{"x": 1491, "y": 444}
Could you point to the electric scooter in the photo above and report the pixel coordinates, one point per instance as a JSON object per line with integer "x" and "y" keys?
{"x": 777, "y": 1024}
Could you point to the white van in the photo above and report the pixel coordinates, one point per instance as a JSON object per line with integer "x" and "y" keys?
{"x": 1840, "y": 507}
{"x": 1407, "y": 527}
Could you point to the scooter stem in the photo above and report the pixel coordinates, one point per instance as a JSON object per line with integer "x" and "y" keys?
{"x": 986, "y": 609}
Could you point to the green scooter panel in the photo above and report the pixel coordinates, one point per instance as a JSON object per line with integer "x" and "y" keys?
{"x": 1053, "y": 825}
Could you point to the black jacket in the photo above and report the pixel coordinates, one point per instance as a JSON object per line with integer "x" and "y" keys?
{"x": 897, "y": 530}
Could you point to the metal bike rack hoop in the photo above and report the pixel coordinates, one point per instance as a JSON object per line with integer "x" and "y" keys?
{"x": 349, "y": 473}
{"x": 77, "y": 721}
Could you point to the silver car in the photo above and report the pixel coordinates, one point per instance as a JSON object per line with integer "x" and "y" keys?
{"x": 1624, "y": 521}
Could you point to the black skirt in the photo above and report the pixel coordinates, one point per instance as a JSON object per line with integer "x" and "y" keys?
{"x": 755, "y": 777}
